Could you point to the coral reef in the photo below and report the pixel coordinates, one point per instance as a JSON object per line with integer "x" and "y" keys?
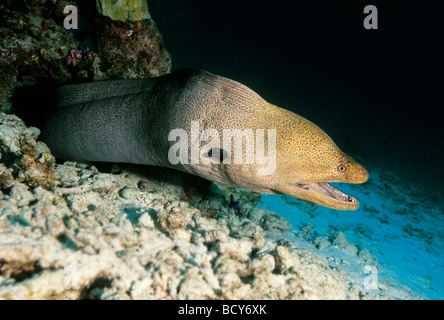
{"x": 22, "y": 157}
{"x": 132, "y": 234}
{"x": 35, "y": 47}
{"x": 131, "y": 49}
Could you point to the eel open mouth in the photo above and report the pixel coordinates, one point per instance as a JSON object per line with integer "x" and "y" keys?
{"x": 327, "y": 190}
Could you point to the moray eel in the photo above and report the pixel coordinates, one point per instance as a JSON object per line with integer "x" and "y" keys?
{"x": 130, "y": 121}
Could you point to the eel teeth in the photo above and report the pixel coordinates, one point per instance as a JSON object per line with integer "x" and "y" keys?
{"x": 328, "y": 190}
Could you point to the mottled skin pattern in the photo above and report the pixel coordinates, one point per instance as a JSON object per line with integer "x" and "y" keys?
{"x": 129, "y": 121}
{"x": 305, "y": 155}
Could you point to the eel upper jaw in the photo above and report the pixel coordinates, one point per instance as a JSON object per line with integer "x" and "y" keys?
{"x": 330, "y": 193}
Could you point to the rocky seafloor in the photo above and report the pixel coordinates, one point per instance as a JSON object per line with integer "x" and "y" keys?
{"x": 69, "y": 231}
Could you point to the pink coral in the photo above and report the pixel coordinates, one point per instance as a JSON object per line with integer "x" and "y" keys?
{"x": 75, "y": 55}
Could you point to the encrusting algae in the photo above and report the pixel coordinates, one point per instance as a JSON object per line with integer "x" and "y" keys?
{"x": 123, "y": 10}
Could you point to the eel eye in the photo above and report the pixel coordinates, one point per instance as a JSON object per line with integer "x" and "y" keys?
{"x": 217, "y": 154}
{"x": 342, "y": 168}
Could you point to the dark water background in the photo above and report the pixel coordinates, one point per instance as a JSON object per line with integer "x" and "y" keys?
{"x": 377, "y": 93}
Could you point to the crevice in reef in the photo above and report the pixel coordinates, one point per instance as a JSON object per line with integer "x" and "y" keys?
{"x": 18, "y": 271}
{"x": 95, "y": 289}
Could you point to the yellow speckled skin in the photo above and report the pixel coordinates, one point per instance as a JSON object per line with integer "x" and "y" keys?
{"x": 130, "y": 120}
{"x": 306, "y": 154}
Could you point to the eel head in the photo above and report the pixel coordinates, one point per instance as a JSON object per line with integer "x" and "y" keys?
{"x": 309, "y": 161}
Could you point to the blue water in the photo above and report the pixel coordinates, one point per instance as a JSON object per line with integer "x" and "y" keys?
{"x": 397, "y": 222}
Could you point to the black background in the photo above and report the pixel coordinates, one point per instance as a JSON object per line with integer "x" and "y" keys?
{"x": 377, "y": 93}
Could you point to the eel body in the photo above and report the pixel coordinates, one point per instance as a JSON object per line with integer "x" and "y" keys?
{"x": 142, "y": 121}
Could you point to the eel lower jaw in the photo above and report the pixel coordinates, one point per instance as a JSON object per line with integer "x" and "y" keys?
{"x": 327, "y": 190}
